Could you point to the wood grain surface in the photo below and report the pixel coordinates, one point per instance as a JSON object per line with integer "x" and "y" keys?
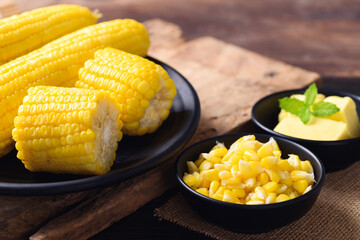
{"x": 322, "y": 36}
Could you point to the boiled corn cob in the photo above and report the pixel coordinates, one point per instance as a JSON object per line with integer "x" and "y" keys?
{"x": 67, "y": 130}
{"x": 58, "y": 63}
{"x": 20, "y": 34}
{"x": 143, "y": 89}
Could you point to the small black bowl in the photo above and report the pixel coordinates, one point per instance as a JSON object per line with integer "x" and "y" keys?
{"x": 249, "y": 218}
{"x": 335, "y": 155}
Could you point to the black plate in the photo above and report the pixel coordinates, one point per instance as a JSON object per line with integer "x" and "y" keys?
{"x": 135, "y": 155}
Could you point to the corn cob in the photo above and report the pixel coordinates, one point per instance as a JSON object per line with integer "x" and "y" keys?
{"x": 143, "y": 89}
{"x": 67, "y": 130}
{"x": 58, "y": 63}
{"x": 20, "y": 34}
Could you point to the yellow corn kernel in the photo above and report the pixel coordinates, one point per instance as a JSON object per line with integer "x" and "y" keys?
{"x": 276, "y": 151}
{"x": 203, "y": 191}
{"x": 293, "y": 195}
{"x": 221, "y": 167}
{"x": 269, "y": 162}
{"x": 260, "y": 193}
{"x": 266, "y": 150}
{"x": 192, "y": 167}
{"x": 307, "y": 189}
{"x": 210, "y": 175}
{"x": 205, "y": 183}
{"x": 250, "y": 184}
{"x": 199, "y": 160}
{"x": 143, "y": 78}
{"x": 281, "y": 188}
{"x": 214, "y": 186}
{"x": 211, "y": 158}
{"x": 284, "y": 165}
{"x": 189, "y": 179}
{"x": 219, "y": 152}
{"x": 227, "y": 156}
{"x": 254, "y": 202}
{"x": 231, "y": 181}
{"x": 246, "y": 145}
{"x": 229, "y": 197}
{"x": 233, "y": 160}
{"x": 299, "y": 175}
{"x": 287, "y": 181}
{"x": 263, "y": 178}
{"x": 235, "y": 171}
{"x": 274, "y": 175}
{"x": 294, "y": 161}
{"x": 256, "y": 167}
{"x": 198, "y": 179}
{"x": 225, "y": 175}
{"x": 251, "y": 155}
{"x": 83, "y": 145}
{"x": 239, "y": 193}
{"x": 271, "y": 198}
{"x": 300, "y": 186}
{"x": 306, "y": 166}
{"x": 245, "y": 169}
{"x": 282, "y": 198}
{"x": 219, "y": 193}
{"x": 270, "y": 187}
{"x": 58, "y": 62}
{"x": 205, "y": 165}
{"x": 20, "y": 34}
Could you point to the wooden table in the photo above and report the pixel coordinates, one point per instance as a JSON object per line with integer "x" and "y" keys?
{"x": 321, "y": 36}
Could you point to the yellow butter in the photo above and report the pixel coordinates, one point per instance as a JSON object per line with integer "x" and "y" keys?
{"x": 341, "y": 125}
{"x": 316, "y": 129}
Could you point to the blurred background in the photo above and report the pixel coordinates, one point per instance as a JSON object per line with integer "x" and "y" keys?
{"x": 321, "y": 36}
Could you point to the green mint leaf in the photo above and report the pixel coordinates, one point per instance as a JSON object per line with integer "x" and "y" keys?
{"x": 304, "y": 114}
{"x": 324, "y": 109}
{"x": 291, "y": 105}
{"x": 310, "y": 94}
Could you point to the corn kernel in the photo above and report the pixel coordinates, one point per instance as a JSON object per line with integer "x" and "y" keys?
{"x": 299, "y": 175}
{"x": 221, "y": 167}
{"x": 257, "y": 167}
{"x": 189, "y": 179}
{"x": 284, "y": 165}
{"x": 203, "y": 191}
{"x": 211, "y": 158}
{"x": 300, "y": 186}
{"x": 205, "y": 165}
{"x": 251, "y": 155}
{"x": 229, "y": 197}
{"x": 239, "y": 193}
{"x": 263, "y": 178}
{"x": 260, "y": 193}
{"x": 214, "y": 186}
{"x": 192, "y": 167}
{"x": 270, "y": 187}
{"x": 205, "y": 183}
{"x": 210, "y": 175}
{"x": 306, "y": 166}
{"x": 266, "y": 150}
{"x": 294, "y": 161}
{"x": 245, "y": 169}
{"x": 269, "y": 162}
{"x": 274, "y": 175}
{"x": 271, "y": 198}
{"x": 252, "y": 202}
{"x": 225, "y": 175}
{"x": 231, "y": 181}
{"x": 282, "y": 198}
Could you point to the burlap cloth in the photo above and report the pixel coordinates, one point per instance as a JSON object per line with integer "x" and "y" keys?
{"x": 335, "y": 215}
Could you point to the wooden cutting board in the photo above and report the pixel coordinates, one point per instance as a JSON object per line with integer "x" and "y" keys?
{"x": 228, "y": 80}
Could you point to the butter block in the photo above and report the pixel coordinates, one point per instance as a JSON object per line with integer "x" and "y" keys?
{"x": 341, "y": 125}
{"x": 347, "y": 114}
{"x": 316, "y": 129}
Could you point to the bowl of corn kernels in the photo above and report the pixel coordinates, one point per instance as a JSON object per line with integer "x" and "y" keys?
{"x": 249, "y": 183}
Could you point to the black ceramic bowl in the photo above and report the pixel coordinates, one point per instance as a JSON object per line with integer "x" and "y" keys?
{"x": 335, "y": 155}
{"x": 249, "y": 218}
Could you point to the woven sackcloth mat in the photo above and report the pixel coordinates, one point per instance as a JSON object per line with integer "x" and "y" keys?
{"x": 335, "y": 215}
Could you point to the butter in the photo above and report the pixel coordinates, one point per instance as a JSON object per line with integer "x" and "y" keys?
{"x": 341, "y": 125}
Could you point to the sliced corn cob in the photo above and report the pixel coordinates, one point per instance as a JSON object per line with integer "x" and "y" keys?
{"x": 67, "y": 130}
{"x": 58, "y": 63}
{"x": 20, "y": 34}
{"x": 143, "y": 89}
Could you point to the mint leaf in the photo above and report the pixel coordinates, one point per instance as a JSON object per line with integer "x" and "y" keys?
{"x": 310, "y": 94}
{"x": 291, "y": 105}
{"x": 324, "y": 109}
{"x": 304, "y": 114}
